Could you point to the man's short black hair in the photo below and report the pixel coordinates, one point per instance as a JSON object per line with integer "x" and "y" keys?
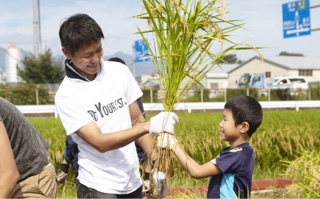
{"x": 78, "y": 31}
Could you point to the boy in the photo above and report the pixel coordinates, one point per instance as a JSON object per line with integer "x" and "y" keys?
{"x": 231, "y": 171}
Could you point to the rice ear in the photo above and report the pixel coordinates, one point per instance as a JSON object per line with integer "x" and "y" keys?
{"x": 187, "y": 34}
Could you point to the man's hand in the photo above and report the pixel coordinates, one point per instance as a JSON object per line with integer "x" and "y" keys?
{"x": 63, "y": 173}
{"x": 163, "y": 122}
{"x": 159, "y": 179}
{"x": 166, "y": 140}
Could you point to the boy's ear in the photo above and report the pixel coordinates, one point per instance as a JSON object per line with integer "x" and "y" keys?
{"x": 244, "y": 127}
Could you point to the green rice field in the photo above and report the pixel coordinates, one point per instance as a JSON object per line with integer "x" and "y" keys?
{"x": 283, "y": 137}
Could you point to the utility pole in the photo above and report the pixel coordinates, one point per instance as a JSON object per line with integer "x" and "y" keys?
{"x": 311, "y": 7}
{"x": 36, "y": 29}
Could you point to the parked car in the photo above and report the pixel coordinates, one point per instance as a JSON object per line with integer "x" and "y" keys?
{"x": 288, "y": 82}
{"x": 257, "y": 80}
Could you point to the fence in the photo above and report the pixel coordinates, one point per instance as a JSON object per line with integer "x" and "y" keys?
{"x": 221, "y": 95}
{"x": 36, "y": 96}
{"x": 191, "y": 106}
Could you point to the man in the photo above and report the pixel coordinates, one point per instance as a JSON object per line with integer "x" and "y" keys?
{"x": 25, "y": 170}
{"x": 71, "y": 153}
{"x": 96, "y": 103}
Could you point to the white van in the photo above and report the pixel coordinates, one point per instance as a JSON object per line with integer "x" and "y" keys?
{"x": 288, "y": 82}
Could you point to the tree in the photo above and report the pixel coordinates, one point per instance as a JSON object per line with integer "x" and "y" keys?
{"x": 41, "y": 70}
{"x": 228, "y": 59}
{"x": 284, "y": 53}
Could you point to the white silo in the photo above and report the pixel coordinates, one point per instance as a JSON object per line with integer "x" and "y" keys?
{"x": 13, "y": 58}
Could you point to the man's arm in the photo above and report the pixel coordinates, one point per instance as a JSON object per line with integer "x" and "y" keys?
{"x": 9, "y": 173}
{"x": 110, "y": 141}
{"x": 92, "y": 134}
{"x": 137, "y": 117}
{"x": 146, "y": 141}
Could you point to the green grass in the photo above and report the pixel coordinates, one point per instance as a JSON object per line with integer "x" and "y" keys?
{"x": 283, "y": 135}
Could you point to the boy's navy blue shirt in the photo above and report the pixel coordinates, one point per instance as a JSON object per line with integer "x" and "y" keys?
{"x": 237, "y": 166}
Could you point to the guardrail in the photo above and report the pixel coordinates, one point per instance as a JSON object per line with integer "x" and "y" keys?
{"x": 220, "y": 105}
{"x": 38, "y": 109}
{"x": 189, "y": 106}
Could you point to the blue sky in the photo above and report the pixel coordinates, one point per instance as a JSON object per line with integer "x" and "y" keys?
{"x": 262, "y": 18}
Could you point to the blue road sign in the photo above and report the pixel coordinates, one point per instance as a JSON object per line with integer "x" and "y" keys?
{"x": 141, "y": 51}
{"x": 296, "y": 19}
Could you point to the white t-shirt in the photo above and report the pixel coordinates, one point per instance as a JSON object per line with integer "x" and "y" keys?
{"x": 106, "y": 101}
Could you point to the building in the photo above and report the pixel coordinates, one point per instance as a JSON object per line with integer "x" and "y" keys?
{"x": 13, "y": 60}
{"x": 149, "y": 82}
{"x": 228, "y": 75}
{"x": 218, "y": 76}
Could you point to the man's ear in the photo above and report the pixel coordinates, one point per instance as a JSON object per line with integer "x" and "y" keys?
{"x": 66, "y": 53}
{"x": 244, "y": 127}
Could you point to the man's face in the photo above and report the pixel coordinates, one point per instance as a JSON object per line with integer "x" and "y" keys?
{"x": 86, "y": 60}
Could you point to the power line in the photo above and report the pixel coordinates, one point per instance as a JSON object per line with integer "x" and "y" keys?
{"x": 315, "y": 6}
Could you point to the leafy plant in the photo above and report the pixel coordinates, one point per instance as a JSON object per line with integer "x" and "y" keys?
{"x": 22, "y": 94}
{"x": 41, "y": 70}
{"x": 185, "y": 34}
{"x": 191, "y": 38}
{"x": 305, "y": 171}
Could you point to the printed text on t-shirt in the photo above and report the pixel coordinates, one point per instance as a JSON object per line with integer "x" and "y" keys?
{"x": 107, "y": 109}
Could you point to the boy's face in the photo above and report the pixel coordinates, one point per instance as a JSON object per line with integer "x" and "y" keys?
{"x": 86, "y": 60}
{"x": 229, "y": 132}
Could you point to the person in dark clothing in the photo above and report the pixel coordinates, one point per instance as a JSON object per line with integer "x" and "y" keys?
{"x": 25, "y": 168}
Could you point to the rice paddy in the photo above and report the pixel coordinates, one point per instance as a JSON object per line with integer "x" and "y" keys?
{"x": 283, "y": 140}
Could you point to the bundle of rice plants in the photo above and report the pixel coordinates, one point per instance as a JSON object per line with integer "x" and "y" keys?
{"x": 305, "y": 171}
{"x": 191, "y": 37}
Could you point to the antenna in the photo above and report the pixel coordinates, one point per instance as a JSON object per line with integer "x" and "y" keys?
{"x": 36, "y": 29}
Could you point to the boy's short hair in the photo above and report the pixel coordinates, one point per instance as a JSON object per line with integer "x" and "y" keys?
{"x": 79, "y": 30}
{"x": 245, "y": 109}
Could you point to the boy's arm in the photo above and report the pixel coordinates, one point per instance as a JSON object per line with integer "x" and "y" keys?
{"x": 9, "y": 173}
{"x": 190, "y": 165}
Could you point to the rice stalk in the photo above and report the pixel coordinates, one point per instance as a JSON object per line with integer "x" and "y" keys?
{"x": 305, "y": 170}
{"x": 191, "y": 38}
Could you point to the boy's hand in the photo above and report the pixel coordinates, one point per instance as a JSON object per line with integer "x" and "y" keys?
{"x": 166, "y": 140}
{"x": 163, "y": 122}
